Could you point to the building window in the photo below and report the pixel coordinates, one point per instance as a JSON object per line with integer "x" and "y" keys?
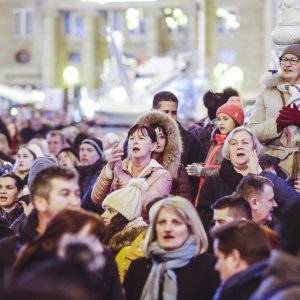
{"x": 135, "y": 21}
{"x": 110, "y": 19}
{"x": 72, "y": 23}
{"x": 228, "y": 20}
{"x": 22, "y": 22}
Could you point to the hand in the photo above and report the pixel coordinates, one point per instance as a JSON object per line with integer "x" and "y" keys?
{"x": 194, "y": 169}
{"x": 118, "y": 170}
{"x": 253, "y": 163}
{"x": 289, "y": 115}
{"x": 116, "y": 155}
{"x": 297, "y": 186}
{"x": 27, "y": 209}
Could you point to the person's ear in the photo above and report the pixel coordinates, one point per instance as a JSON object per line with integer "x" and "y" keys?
{"x": 154, "y": 146}
{"x": 253, "y": 203}
{"x": 40, "y": 203}
{"x": 236, "y": 258}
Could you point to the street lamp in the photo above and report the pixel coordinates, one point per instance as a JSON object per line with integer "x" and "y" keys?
{"x": 71, "y": 77}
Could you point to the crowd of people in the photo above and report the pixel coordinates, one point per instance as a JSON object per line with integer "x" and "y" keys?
{"x": 164, "y": 212}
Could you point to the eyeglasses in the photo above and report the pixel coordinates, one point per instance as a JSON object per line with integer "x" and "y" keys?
{"x": 292, "y": 61}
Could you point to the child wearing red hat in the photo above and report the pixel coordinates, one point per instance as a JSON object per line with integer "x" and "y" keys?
{"x": 229, "y": 116}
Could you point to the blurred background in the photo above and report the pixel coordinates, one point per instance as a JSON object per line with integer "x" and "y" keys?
{"x": 74, "y": 60}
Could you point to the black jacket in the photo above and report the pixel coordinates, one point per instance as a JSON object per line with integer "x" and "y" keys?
{"x": 89, "y": 174}
{"x": 226, "y": 182}
{"x": 196, "y": 281}
{"x": 10, "y": 246}
{"x": 216, "y": 187}
{"x": 192, "y": 152}
{"x": 241, "y": 285}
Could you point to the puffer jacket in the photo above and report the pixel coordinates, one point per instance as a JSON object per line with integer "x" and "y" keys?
{"x": 263, "y": 122}
{"x": 158, "y": 179}
{"x": 171, "y": 158}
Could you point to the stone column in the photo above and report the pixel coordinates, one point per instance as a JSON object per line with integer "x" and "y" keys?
{"x": 49, "y": 59}
{"x": 151, "y": 28}
{"x": 201, "y": 36}
{"x": 89, "y": 75}
{"x": 288, "y": 29}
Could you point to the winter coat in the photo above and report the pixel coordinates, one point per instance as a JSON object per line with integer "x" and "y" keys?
{"x": 192, "y": 152}
{"x": 203, "y": 131}
{"x": 9, "y": 217}
{"x": 263, "y": 122}
{"x": 10, "y": 246}
{"x": 89, "y": 174}
{"x": 241, "y": 285}
{"x": 97, "y": 282}
{"x": 158, "y": 179}
{"x": 213, "y": 159}
{"x": 125, "y": 237}
{"x": 129, "y": 253}
{"x": 225, "y": 182}
{"x": 171, "y": 157}
{"x": 196, "y": 281}
{"x": 283, "y": 280}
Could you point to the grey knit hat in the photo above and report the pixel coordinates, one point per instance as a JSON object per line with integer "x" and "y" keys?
{"x": 291, "y": 49}
{"x": 41, "y": 163}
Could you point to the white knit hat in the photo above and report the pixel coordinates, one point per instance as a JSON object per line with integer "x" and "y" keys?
{"x": 34, "y": 149}
{"x": 127, "y": 201}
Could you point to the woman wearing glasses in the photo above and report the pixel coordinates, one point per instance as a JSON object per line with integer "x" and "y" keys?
{"x": 276, "y": 116}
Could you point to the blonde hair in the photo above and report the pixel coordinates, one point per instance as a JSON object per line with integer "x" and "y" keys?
{"x": 257, "y": 145}
{"x": 187, "y": 211}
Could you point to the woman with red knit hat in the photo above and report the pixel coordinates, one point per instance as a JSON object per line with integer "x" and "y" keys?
{"x": 229, "y": 116}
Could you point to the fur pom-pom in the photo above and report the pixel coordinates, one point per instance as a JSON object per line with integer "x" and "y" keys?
{"x": 139, "y": 183}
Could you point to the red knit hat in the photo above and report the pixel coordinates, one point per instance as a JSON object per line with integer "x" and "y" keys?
{"x": 233, "y": 108}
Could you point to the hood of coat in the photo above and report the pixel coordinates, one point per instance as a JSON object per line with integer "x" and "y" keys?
{"x": 270, "y": 81}
{"x": 124, "y": 238}
{"x": 174, "y": 148}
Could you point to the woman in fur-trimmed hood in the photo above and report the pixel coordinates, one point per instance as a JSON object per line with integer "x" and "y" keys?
{"x": 276, "y": 116}
{"x": 169, "y": 154}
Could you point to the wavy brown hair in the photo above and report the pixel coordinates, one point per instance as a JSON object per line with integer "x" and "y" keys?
{"x": 45, "y": 246}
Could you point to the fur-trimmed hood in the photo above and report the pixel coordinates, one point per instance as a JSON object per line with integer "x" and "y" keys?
{"x": 174, "y": 148}
{"x": 124, "y": 238}
{"x": 270, "y": 81}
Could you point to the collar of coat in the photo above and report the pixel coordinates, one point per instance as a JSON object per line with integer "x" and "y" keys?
{"x": 229, "y": 174}
{"x": 174, "y": 147}
{"x": 272, "y": 81}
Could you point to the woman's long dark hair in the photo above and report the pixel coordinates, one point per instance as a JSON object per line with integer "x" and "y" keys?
{"x": 117, "y": 223}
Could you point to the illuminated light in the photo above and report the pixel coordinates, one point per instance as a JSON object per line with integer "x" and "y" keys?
{"x": 167, "y": 11}
{"x": 71, "y": 75}
{"x": 171, "y": 22}
{"x": 132, "y": 13}
{"x": 177, "y": 12}
{"x": 13, "y": 111}
{"x": 183, "y": 20}
{"x": 236, "y": 73}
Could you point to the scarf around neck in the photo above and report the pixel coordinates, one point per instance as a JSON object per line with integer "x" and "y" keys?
{"x": 163, "y": 264}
